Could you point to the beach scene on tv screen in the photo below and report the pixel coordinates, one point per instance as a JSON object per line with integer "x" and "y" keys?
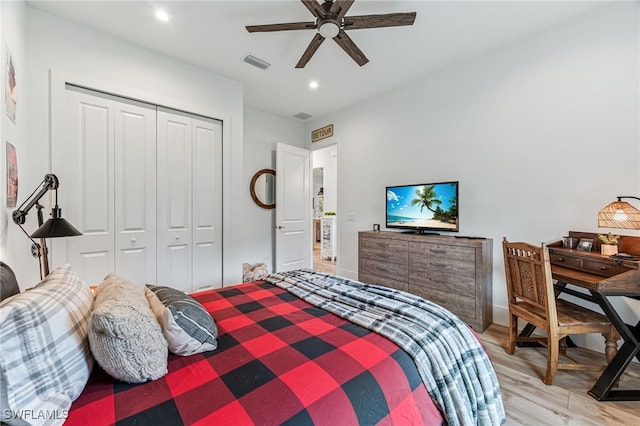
{"x": 423, "y": 206}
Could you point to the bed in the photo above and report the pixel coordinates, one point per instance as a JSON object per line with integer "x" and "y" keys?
{"x": 309, "y": 348}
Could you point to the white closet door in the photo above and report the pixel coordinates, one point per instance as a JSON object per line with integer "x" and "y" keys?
{"x": 174, "y": 206}
{"x": 107, "y": 164}
{"x": 207, "y": 203}
{"x": 135, "y": 192}
{"x": 84, "y": 165}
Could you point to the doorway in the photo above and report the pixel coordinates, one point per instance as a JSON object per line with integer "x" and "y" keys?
{"x": 324, "y": 207}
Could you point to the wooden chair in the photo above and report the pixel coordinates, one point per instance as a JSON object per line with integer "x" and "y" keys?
{"x": 532, "y": 298}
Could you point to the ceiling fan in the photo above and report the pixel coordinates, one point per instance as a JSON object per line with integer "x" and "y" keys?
{"x": 331, "y": 22}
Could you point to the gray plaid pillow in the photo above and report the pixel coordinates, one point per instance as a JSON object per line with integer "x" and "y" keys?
{"x": 45, "y": 359}
{"x": 186, "y": 324}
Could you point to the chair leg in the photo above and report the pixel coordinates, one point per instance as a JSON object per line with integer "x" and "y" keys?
{"x": 563, "y": 346}
{"x": 552, "y": 359}
{"x": 513, "y": 334}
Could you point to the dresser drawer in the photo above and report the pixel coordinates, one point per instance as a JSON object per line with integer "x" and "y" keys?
{"x": 445, "y": 281}
{"x": 443, "y": 251}
{"x": 395, "y": 271}
{"x": 442, "y": 267}
{"x": 387, "y": 282}
{"x": 461, "y": 305}
{"x": 383, "y": 250}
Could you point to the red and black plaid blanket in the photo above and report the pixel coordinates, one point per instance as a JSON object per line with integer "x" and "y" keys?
{"x": 279, "y": 361}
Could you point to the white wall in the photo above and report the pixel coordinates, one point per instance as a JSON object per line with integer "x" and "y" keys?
{"x": 77, "y": 53}
{"x": 262, "y": 132}
{"x": 12, "y": 37}
{"x": 541, "y": 134}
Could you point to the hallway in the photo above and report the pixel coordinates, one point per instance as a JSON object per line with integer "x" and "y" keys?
{"x": 322, "y": 265}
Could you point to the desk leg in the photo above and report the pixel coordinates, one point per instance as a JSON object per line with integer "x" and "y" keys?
{"x": 602, "y": 389}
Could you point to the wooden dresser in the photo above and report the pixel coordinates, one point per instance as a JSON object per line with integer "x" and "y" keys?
{"x": 453, "y": 272}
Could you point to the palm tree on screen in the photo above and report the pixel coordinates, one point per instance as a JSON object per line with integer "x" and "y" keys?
{"x": 426, "y": 197}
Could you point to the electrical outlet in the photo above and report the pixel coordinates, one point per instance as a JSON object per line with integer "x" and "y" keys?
{"x": 351, "y": 217}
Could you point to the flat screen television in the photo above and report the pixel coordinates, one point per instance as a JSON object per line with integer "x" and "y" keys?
{"x": 424, "y": 207}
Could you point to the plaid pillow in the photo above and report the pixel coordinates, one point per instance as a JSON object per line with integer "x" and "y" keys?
{"x": 186, "y": 324}
{"x": 45, "y": 359}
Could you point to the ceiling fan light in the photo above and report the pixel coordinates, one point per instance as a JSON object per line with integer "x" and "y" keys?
{"x": 329, "y": 29}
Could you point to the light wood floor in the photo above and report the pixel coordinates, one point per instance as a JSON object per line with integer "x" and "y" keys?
{"x": 528, "y": 401}
{"x": 322, "y": 265}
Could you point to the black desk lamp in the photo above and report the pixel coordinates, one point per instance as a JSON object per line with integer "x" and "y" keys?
{"x": 54, "y": 227}
{"x": 619, "y": 214}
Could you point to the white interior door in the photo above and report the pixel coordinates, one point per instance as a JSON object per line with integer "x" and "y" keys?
{"x": 174, "y": 200}
{"x": 294, "y": 248}
{"x": 107, "y": 162}
{"x": 207, "y": 203}
{"x": 84, "y": 165}
{"x": 135, "y": 191}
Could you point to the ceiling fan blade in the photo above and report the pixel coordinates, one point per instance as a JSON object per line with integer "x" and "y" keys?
{"x": 311, "y": 49}
{"x": 281, "y": 27}
{"x": 377, "y": 21}
{"x": 350, "y": 47}
{"x": 314, "y": 7}
{"x": 340, "y": 8}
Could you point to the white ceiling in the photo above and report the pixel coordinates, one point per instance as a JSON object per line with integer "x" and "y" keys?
{"x": 212, "y": 35}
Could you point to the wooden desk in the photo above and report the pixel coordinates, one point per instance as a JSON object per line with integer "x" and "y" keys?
{"x": 604, "y": 277}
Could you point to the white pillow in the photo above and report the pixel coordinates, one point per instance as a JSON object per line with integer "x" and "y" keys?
{"x": 45, "y": 359}
{"x": 125, "y": 337}
{"x": 186, "y": 324}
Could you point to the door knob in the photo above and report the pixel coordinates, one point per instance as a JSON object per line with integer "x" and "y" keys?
{"x": 133, "y": 240}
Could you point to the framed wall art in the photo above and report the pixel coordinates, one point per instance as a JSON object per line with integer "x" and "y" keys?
{"x": 12, "y": 176}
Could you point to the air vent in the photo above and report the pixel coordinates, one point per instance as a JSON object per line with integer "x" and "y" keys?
{"x": 258, "y": 63}
{"x": 302, "y": 115}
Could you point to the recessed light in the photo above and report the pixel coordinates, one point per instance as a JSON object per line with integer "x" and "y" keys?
{"x": 313, "y": 84}
{"x": 162, "y": 15}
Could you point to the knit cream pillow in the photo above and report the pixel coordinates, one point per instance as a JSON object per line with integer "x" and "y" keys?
{"x": 124, "y": 335}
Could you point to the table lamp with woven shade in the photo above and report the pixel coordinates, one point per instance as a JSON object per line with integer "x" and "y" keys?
{"x": 619, "y": 214}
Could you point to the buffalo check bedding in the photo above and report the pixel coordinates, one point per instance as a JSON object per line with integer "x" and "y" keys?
{"x": 282, "y": 360}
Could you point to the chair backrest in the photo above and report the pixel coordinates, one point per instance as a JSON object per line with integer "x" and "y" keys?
{"x": 528, "y": 274}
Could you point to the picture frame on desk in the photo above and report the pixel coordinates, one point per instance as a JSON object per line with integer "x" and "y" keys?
{"x": 585, "y": 244}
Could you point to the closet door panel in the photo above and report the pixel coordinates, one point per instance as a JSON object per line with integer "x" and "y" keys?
{"x": 84, "y": 165}
{"x": 174, "y": 251}
{"x": 207, "y": 203}
{"x": 135, "y": 191}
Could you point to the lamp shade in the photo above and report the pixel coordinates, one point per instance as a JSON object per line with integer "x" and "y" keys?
{"x": 56, "y": 227}
{"x": 619, "y": 214}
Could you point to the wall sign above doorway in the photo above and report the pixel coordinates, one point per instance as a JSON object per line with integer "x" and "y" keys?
{"x": 322, "y": 133}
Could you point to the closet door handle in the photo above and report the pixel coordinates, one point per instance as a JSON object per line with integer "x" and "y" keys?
{"x": 133, "y": 240}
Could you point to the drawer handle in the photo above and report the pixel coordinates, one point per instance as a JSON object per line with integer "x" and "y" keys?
{"x": 442, "y": 265}
{"x": 438, "y": 251}
{"x": 381, "y": 269}
{"x": 561, "y": 259}
{"x": 603, "y": 268}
